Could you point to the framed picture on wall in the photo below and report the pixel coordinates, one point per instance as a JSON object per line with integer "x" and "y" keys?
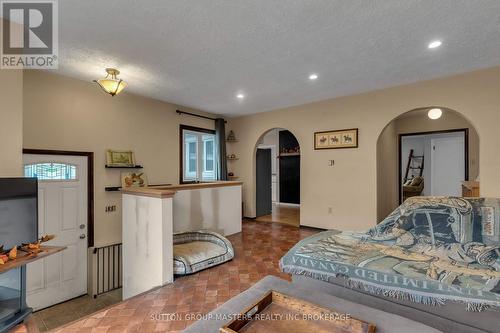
{"x": 347, "y": 138}
{"x": 120, "y": 158}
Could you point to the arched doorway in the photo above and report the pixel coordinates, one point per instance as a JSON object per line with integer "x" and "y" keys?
{"x": 277, "y": 177}
{"x": 421, "y": 156}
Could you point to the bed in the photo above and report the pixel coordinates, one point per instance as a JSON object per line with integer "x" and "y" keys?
{"x": 198, "y": 250}
{"x": 434, "y": 260}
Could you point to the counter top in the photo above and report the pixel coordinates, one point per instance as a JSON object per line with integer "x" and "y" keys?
{"x": 169, "y": 190}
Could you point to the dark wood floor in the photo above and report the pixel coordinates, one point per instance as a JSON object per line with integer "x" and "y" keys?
{"x": 258, "y": 249}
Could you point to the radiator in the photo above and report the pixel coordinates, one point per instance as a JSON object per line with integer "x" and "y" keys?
{"x": 107, "y": 269}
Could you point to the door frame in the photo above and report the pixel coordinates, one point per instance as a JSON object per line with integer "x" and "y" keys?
{"x": 400, "y": 150}
{"x": 90, "y": 183}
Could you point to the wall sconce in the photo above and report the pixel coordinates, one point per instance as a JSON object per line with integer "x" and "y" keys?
{"x": 111, "y": 84}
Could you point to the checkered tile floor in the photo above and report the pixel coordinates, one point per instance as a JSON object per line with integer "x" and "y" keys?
{"x": 258, "y": 249}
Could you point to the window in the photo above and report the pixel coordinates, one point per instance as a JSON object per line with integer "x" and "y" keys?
{"x": 199, "y": 156}
{"x": 50, "y": 171}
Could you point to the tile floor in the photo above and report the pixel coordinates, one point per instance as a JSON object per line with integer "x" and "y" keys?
{"x": 77, "y": 308}
{"x": 258, "y": 249}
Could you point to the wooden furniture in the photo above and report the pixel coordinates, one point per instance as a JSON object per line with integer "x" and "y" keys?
{"x": 414, "y": 163}
{"x": 301, "y": 316}
{"x": 470, "y": 189}
{"x": 24, "y": 258}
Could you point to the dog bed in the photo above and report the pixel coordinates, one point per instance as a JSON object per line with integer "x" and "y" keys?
{"x": 198, "y": 250}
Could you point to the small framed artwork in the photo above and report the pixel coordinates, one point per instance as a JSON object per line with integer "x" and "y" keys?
{"x": 120, "y": 158}
{"x": 347, "y": 138}
{"x": 134, "y": 179}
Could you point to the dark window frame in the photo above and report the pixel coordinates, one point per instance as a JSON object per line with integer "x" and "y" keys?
{"x": 181, "y": 148}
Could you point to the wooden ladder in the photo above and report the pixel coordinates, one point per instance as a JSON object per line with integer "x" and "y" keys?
{"x": 411, "y": 166}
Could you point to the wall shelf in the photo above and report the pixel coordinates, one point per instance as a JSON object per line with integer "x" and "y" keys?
{"x": 233, "y": 159}
{"x": 24, "y": 257}
{"x": 112, "y": 188}
{"x": 231, "y": 141}
{"x": 123, "y": 167}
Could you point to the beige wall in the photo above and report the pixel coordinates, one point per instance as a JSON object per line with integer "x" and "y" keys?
{"x": 11, "y": 123}
{"x": 350, "y": 187}
{"x": 387, "y": 151}
{"x": 387, "y": 171}
{"x": 67, "y": 114}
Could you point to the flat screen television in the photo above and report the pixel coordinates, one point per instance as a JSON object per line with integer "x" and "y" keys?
{"x": 18, "y": 224}
{"x": 18, "y": 211}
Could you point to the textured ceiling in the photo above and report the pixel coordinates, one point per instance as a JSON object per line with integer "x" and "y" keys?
{"x": 200, "y": 53}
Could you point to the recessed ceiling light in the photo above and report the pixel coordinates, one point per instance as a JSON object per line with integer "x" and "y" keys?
{"x": 240, "y": 96}
{"x": 313, "y": 77}
{"x": 435, "y": 44}
{"x": 435, "y": 113}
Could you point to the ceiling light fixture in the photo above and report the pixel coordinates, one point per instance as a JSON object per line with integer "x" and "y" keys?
{"x": 240, "y": 96}
{"x": 435, "y": 113}
{"x": 111, "y": 84}
{"x": 435, "y": 44}
{"x": 313, "y": 77}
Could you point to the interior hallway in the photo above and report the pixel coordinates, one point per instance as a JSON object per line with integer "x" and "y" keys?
{"x": 282, "y": 213}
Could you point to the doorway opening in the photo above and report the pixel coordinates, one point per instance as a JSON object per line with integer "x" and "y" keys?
{"x": 58, "y": 287}
{"x": 422, "y": 155}
{"x": 277, "y": 165}
{"x": 433, "y": 163}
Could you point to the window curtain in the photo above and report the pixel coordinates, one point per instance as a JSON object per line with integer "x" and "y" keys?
{"x": 220, "y": 137}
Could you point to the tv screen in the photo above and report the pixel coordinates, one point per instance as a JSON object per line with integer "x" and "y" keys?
{"x": 18, "y": 211}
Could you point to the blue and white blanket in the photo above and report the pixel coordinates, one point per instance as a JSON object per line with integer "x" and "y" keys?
{"x": 429, "y": 250}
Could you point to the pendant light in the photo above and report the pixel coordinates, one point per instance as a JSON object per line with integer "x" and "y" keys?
{"x": 111, "y": 84}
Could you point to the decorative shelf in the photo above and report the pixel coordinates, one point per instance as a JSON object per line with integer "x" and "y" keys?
{"x": 233, "y": 159}
{"x": 289, "y": 154}
{"x": 233, "y": 177}
{"x": 112, "y": 188}
{"x": 231, "y": 141}
{"x": 124, "y": 167}
{"x": 24, "y": 258}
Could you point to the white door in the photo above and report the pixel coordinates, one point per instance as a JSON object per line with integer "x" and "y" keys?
{"x": 62, "y": 211}
{"x": 447, "y": 165}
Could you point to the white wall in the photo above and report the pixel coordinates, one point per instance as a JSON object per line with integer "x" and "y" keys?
{"x": 215, "y": 208}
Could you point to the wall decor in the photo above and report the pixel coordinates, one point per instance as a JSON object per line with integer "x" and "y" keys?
{"x": 347, "y": 138}
{"x": 134, "y": 179}
{"x": 120, "y": 158}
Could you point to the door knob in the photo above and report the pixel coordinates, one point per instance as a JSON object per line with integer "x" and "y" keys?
{"x": 82, "y": 236}
{"x": 82, "y": 226}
